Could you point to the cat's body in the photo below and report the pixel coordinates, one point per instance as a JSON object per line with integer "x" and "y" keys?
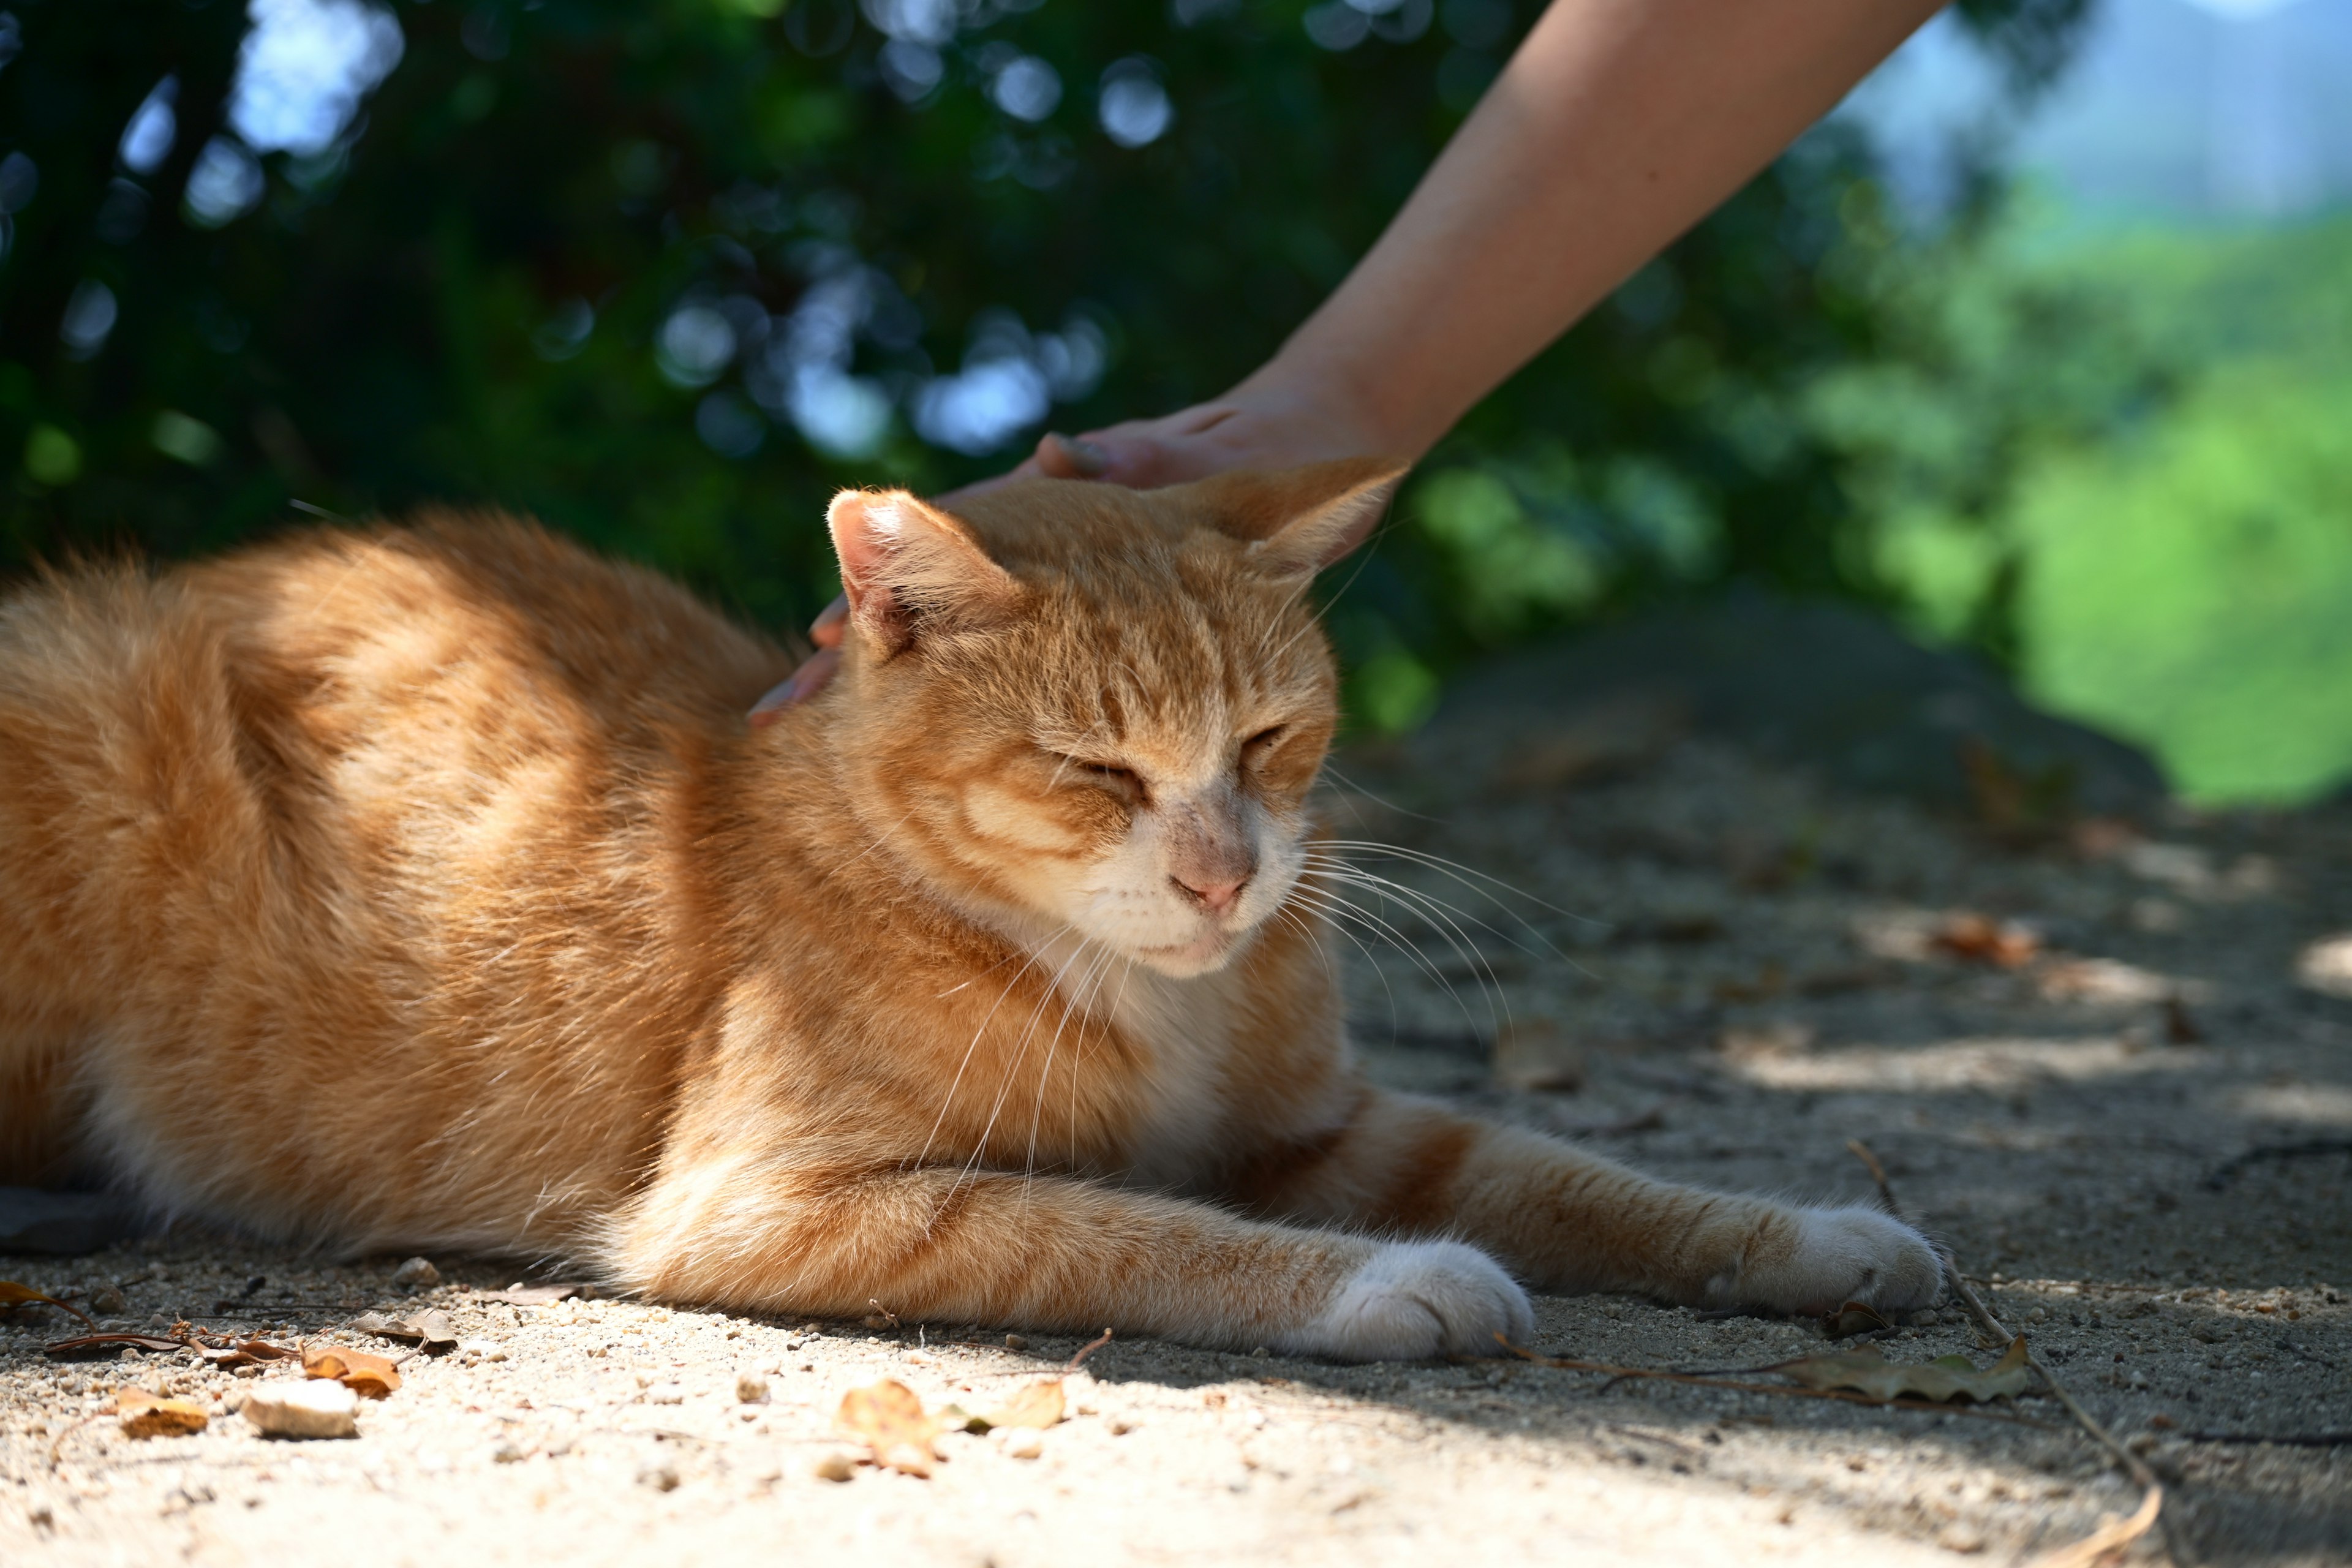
{"x": 427, "y": 889}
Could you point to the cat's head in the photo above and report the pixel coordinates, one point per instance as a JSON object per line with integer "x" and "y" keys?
{"x": 1076, "y": 706}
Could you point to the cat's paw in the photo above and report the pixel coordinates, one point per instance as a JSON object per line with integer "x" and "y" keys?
{"x": 1816, "y": 1260}
{"x": 1413, "y": 1299}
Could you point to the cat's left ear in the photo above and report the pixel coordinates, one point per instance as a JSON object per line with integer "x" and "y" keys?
{"x": 1302, "y": 520}
{"x": 906, "y": 564}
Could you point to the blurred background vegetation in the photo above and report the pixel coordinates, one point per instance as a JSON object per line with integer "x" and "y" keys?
{"x": 664, "y": 273}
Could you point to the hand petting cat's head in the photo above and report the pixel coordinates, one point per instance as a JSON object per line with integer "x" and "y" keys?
{"x": 1078, "y": 707}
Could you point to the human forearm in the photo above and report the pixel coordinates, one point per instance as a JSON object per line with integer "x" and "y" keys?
{"x": 1617, "y": 125}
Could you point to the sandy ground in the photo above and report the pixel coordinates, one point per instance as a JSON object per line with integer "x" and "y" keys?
{"x": 1742, "y": 971}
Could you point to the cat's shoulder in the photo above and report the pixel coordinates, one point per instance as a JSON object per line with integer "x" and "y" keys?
{"x": 486, "y": 589}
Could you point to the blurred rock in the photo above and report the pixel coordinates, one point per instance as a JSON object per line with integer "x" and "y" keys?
{"x": 1823, "y": 684}
{"x": 416, "y": 1274}
{"x": 314, "y": 1407}
{"x": 32, "y": 1220}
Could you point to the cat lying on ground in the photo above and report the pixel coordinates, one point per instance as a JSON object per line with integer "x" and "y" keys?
{"x": 426, "y": 887}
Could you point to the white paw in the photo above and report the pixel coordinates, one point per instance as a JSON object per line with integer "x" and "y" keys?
{"x": 1413, "y": 1299}
{"x": 1818, "y": 1259}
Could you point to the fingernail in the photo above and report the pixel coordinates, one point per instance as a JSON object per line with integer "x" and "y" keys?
{"x": 1084, "y": 455}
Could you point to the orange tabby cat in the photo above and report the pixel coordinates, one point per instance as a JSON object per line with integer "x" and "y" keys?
{"x": 426, "y": 888}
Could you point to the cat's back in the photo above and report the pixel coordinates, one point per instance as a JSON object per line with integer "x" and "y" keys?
{"x": 485, "y": 612}
{"x": 384, "y": 725}
{"x": 463, "y": 646}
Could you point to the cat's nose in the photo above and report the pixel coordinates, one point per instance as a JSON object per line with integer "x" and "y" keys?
{"x": 1217, "y": 897}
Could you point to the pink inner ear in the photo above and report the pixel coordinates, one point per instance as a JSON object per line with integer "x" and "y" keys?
{"x": 864, "y": 533}
{"x": 901, "y": 557}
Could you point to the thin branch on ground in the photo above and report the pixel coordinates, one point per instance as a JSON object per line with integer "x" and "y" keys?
{"x": 2269, "y": 1151}
{"x": 1861, "y": 1150}
{"x": 2098, "y": 1544}
{"x": 1080, "y": 1360}
{"x": 2285, "y": 1440}
{"x": 1781, "y": 1390}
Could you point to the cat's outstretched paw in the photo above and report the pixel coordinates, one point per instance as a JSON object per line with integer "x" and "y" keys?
{"x": 1413, "y": 1299}
{"x": 1815, "y": 1260}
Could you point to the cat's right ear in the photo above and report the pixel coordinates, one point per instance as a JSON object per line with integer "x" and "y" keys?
{"x": 905, "y": 563}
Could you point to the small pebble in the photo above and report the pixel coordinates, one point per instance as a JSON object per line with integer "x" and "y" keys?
{"x": 750, "y": 1388}
{"x": 107, "y": 1299}
{"x": 1015, "y": 1342}
{"x": 836, "y": 1467}
{"x": 1120, "y": 1426}
{"x": 505, "y": 1454}
{"x": 416, "y": 1274}
{"x": 1961, "y": 1537}
{"x": 1026, "y": 1444}
{"x": 313, "y": 1407}
{"x": 665, "y": 1394}
{"x": 661, "y": 1477}
{"x": 488, "y": 1350}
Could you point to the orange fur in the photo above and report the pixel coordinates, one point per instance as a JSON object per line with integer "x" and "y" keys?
{"x": 425, "y": 886}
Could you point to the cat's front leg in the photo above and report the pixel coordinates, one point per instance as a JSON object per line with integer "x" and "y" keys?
{"x": 735, "y": 1229}
{"x": 1565, "y": 1219}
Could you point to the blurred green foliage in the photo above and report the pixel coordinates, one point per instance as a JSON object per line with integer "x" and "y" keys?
{"x": 666, "y": 272}
{"x": 2172, "y": 551}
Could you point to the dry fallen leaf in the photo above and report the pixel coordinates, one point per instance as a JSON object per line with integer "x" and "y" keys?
{"x": 889, "y": 1417}
{"x": 247, "y": 1352}
{"x": 13, "y": 1295}
{"x": 1951, "y": 1377}
{"x": 1974, "y": 938}
{"x": 432, "y": 1326}
{"x": 146, "y": 1414}
{"x": 369, "y": 1376}
{"x": 85, "y": 1343}
{"x": 520, "y": 1295}
{"x": 1037, "y": 1404}
{"x": 1854, "y": 1317}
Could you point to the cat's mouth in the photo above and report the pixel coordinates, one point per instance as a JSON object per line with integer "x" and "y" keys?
{"x": 1203, "y": 952}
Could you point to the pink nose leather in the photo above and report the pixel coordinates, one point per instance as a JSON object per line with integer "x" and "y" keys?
{"x": 1218, "y": 896}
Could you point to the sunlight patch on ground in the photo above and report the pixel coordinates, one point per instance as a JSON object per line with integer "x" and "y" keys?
{"x": 1993, "y": 1064}
{"x": 2321, "y": 1104}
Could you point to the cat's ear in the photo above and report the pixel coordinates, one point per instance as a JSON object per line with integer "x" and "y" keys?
{"x": 1302, "y": 520}
{"x": 905, "y": 563}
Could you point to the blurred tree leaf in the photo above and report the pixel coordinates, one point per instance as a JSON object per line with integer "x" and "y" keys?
{"x": 664, "y": 272}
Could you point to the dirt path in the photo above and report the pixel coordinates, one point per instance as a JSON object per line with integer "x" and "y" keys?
{"x": 1749, "y": 971}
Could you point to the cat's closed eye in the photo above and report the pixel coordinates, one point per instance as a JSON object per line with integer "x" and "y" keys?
{"x": 1122, "y": 781}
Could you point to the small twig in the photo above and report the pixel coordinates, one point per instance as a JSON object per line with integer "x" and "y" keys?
{"x": 2130, "y": 1461}
{"x": 60, "y": 1443}
{"x": 1076, "y": 1361}
{"x": 2230, "y": 1167}
{"x": 1843, "y": 1396}
{"x": 2289, "y": 1440}
{"x": 2110, "y": 1537}
{"x": 1861, "y": 1150}
{"x": 2152, "y": 1494}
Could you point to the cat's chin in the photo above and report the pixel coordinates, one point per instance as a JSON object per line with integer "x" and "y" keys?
{"x": 1202, "y": 956}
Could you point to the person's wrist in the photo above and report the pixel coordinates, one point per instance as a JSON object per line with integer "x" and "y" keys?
{"x": 1343, "y": 404}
